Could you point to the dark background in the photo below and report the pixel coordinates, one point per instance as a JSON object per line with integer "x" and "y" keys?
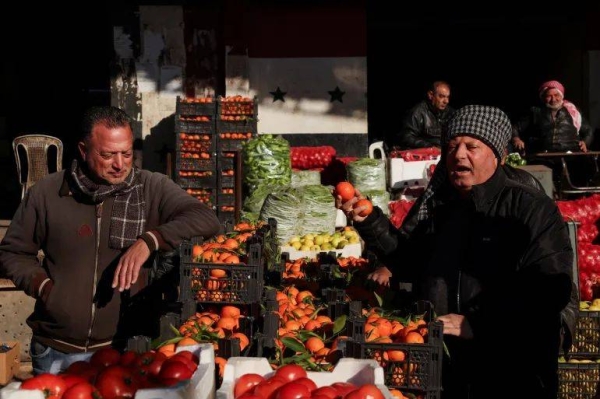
{"x": 55, "y": 65}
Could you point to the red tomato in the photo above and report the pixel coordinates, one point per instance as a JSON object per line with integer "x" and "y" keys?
{"x": 308, "y": 383}
{"x": 105, "y": 357}
{"x": 174, "y": 371}
{"x": 327, "y": 391}
{"x": 52, "y": 385}
{"x": 367, "y": 204}
{"x": 115, "y": 381}
{"x": 267, "y": 388}
{"x": 292, "y": 390}
{"x": 345, "y": 190}
{"x": 78, "y": 367}
{"x": 290, "y": 372}
{"x": 145, "y": 359}
{"x": 128, "y": 358}
{"x": 343, "y": 388}
{"x": 183, "y": 360}
{"x": 72, "y": 379}
{"x": 83, "y": 390}
{"x": 246, "y": 383}
{"x": 369, "y": 391}
{"x": 188, "y": 355}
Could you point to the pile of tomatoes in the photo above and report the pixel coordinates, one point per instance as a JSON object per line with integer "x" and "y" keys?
{"x": 291, "y": 382}
{"x": 111, "y": 375}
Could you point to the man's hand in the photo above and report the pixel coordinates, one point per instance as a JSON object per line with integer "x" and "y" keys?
{"x": 518, "y": 143}
{"x": 457, "y": 325}
{"x": 582, "y": 146}
{"x": 381, "y": 276}
{"x": 128, "y": 269}
{"x": 348, "y": 206}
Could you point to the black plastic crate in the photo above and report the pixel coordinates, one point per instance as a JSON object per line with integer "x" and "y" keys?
{"x": 196, "y": 143}
{"x": 231, "y": 145}
{"x": 192, "y": 126}
{"x": 225, "y": 216}
{"x": 197, "y": 182}
{"x": 196, "y": 108}
{"x": 226, "y": 199}
{"x": 242, "y": 284}
{"x": 243, "y": 126}
{"x": 421, "y": 368}
{"x": 225, "y": 163}
{"x": 586, "y": 340}
{"x": 226, "y": 181}
{"x": 192, "y": 164}
{"x": 232, "y": 107}
{"x": 578, "y": 380}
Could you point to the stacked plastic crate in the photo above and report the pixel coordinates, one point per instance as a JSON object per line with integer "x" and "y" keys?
{"x": 195, "y": 164}
{"x": 236, "y": 124}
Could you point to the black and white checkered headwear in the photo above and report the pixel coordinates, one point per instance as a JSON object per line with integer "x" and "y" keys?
{"x": 487, "y": 124}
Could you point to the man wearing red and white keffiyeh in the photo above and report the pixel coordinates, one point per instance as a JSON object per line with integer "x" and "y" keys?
{"x": 556, "y": 127}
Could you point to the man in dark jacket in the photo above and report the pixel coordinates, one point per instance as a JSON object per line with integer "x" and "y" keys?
{"x": 556, "y": 126}
{"x": 424, "y": 123}
{"x": 98, "y": 223}
{"x": 491, "y": 254}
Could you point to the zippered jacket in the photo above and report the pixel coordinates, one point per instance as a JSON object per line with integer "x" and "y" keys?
{"x": 541, "y": 132}
{"x": 503, "y": 259}
{"x": 82, "y": 311}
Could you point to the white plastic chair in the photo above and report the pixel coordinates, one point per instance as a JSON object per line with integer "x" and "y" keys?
{"x": 36, "y": 148}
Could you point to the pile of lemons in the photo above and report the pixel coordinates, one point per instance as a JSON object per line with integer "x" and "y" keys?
{"x": 325, "y": 241}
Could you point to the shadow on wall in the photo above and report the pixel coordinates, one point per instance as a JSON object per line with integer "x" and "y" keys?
{"x": 158, "y": 144}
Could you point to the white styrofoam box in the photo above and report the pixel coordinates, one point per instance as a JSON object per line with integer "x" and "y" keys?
{"x": 405, "y": 174}
{"x": 355, "y": 371}
{"x": 341, "y": 220}
{"x": 201, "y": 386}
{"x": 349, "y": 250}
{"x": 12, "y": 391}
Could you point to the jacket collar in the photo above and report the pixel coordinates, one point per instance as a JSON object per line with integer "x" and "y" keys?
{"x": 64, "y": 190}
{"x": 483, "y": 194}
{"x": 480, "y": 194}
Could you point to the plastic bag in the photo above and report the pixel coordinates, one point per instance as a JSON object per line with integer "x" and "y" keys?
{"x": 266, "y": 161}
{"x": 367, "y": 174}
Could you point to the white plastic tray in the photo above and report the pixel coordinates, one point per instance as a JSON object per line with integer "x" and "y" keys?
{"x": 201, "y": 386}
{"x": 349, "y": 250}
{"x": 356, "y": 371}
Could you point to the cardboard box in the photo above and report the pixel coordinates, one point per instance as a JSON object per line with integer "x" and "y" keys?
{"x": 10, "y": 361}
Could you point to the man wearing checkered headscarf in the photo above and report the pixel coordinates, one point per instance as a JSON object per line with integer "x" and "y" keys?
{"x": 481, "y": 248}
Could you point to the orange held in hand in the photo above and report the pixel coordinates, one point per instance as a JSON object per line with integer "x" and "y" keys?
{"x": 345, "y": 190}
{"x": 366, "y": 203}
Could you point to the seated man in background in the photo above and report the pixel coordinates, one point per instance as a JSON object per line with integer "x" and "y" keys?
{"x": 425, "y": 121}
{"x": 556, "y": 126}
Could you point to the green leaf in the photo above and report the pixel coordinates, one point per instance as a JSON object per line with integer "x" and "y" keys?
{"x": 339, "y": 324}
{"x": 175, "y": 330}
{"x": 379, "y": 299}
{"x": 303, "y": 335}
{"x": 293, "y": 344}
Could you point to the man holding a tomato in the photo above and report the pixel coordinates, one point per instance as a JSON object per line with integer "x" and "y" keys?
{"x": 491, "y": 254}
{"x": 98, "y": 223}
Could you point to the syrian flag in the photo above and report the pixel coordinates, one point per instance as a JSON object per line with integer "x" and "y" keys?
{"x": 308, "y": 69}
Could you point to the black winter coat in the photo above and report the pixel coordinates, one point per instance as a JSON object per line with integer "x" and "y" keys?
{"x": 503, "y": 259}
{"x": 422, "y": 127}
{"x": 541, "y": 133}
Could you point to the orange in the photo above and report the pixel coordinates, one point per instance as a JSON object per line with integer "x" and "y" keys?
{"x": 345, "y": 190}
{"x": 187, "y": 341}
{"x": 230, "y": 311}
{"x": 221, "y": 362}
{"x": 414, "y": 337}
{"x": 367, "y": 204}
{"x": 396, "y": 355}
{"x": 197, "y": 251}
{"x": 218, "y": 273}
{"x": 231, "y": 243}
{"x": 244, "y": 341}
{"x": 227, "y": 323}
{"x": 314, "y": 344}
